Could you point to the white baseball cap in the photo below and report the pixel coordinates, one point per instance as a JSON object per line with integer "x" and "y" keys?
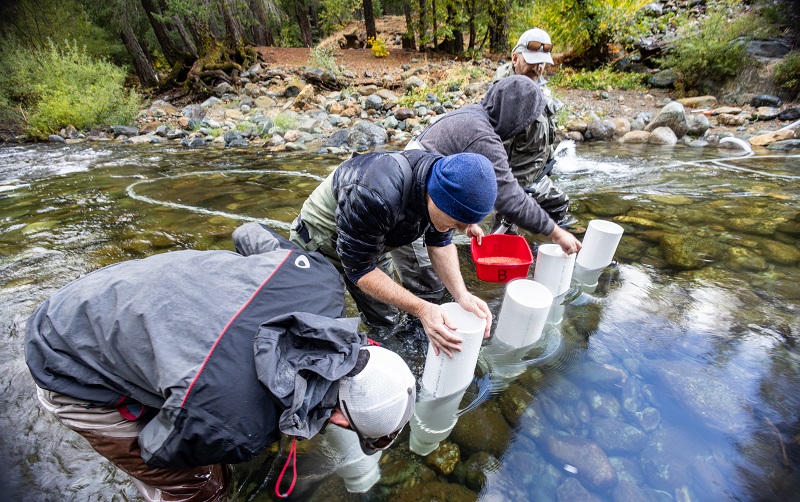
{"x": 535, "y": 46}
{"x": 377, "y": 397}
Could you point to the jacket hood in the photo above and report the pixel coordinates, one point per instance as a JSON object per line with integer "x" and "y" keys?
{"x": 300, "y": 358}
{"x": 512, "y": 104}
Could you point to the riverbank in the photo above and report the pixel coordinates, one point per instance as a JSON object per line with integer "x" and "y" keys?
{"x": 358, "y": 103}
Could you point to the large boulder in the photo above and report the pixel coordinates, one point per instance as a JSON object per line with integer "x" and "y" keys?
{"x": 673, "y": 116}
{"x": 366, "y": 134}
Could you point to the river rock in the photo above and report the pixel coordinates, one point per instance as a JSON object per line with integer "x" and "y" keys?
{"x": 577, "y": 125}
{"x": 732, "y": 120}
{"x": 704, "y": 395}
{"x": 477, "y": 467}
{"x": 767, "y": 113}
{"x": 785, "y": 145}
{"x": 435, "y": 490}
{"x": 413, "y": 83}
{"x": 366, "y": 134}
{"x": 663, "y": 136}
{"x": 592, "y": 464}
{"x": 663, "y": 79}
{"x": 601, "y": 130}
{"x": 635, "y": 137}
{"x": 615, "y": 436}
{"x": 571, "y": 490}
{"x": 767, "y": 100}
{"x": 444, "y": 458}
{"x": 673, "y": 116}
{"x": 223, "y": 88}
{"x": 698, "y": 102}
{"x": 790, "y": 114}
{"x": 622, "y": 127}
{"x": 55, "y": 138}
{"x": 667, "y": 459}
{"x": 482, "y": 429}
{"x": 698, "y": 124}
{"x": 771, "y": 137}
{"x": 125, "y": 130}
{"x": 513, "y": 403}
{"x": 687, "y": 251}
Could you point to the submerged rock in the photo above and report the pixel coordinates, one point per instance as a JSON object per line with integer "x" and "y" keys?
{"x": 592, "y": 464}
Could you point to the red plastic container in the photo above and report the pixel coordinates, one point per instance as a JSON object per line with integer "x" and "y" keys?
{"x": 488, "y": 257}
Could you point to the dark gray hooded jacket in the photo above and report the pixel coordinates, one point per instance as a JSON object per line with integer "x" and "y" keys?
{"x": 225, "y": 349}
{"x": 507, "y": 109}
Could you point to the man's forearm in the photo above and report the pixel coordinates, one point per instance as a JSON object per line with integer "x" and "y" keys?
{"x": 445, "y": 263}
{"x": 382, "y": 287}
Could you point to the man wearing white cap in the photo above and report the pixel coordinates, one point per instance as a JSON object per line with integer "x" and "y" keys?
{"x": 178, "y": 364}
{"x": 530, "y": 152}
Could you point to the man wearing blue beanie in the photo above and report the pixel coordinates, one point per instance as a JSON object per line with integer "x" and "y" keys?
{"x": 377, "y": 202}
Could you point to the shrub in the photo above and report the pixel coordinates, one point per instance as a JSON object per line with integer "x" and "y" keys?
{"x": 787, "y": 73}
{"x": 602, "y": 78}
{"x": 64, "y": 85}
{"x": 714, "y": 49}
{"x": 585, "y": 27}
{"x": 285, "y": 121}
{"x": 378, "y": 47}
{"x": 325, "y": 58}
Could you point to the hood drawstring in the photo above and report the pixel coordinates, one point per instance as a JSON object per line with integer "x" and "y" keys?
{"x": 372, "y": 342}
{"x": 293, "y": 459}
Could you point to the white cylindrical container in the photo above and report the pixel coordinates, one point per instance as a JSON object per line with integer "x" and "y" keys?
{"x": 433, "y": 421}
{"x": 554, "y": 268}
{"x": 524, "y": 313}
{"x": 444, "y": 375}
{"x": 587, "y": 278}
{"x": 599, "y": 244}
{"x": 358, "y": 471}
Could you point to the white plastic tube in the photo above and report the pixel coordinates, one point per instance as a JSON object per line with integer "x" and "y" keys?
{"x": 524, "y": 313}
{"x": 587, "y": 278}
{"x": 554, "y": 268}
{"x": 599, "y": 244}
{"x": 433, "y": 421}
{"x": 358, "y": 471}
{"x": 444, "y": 375}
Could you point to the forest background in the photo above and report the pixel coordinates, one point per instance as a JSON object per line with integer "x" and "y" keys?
{"x": 87, "y": 63}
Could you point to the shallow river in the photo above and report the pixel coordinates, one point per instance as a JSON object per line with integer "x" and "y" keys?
{"x": 677, "y": 379}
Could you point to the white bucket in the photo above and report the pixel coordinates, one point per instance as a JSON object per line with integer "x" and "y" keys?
{"x": 444, "y": 375}
{"x": 554, "y": 268}
{"x": 599, "y": 244}
{"x": 523, "y": 315}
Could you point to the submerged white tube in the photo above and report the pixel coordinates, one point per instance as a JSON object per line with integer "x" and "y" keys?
{"x": 587, "y": 278}
{"x": 444, "y": 381}
{"x": 443, "y": 375}
{"x": 554, "y": 268}
{"x": 599, "y": 245}
{"x": 524, "y": 313}
{"x": 359, "y": 471}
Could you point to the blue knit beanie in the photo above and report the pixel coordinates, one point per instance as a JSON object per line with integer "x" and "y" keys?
{"x": 463, "y": 186}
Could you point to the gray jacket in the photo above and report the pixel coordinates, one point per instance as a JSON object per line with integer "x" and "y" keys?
{"x": 227, "y": 349}
{"x": 507, "y": 109}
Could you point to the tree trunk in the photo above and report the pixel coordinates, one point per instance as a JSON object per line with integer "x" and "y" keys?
{"x": 171, "y": 53}
{"x": 187, "y": 41}
{"x": 498, "y": 26}
{"x": 141, "y": 60}
{"x": 472, "y": 30}
{"x": 234, "y": 33}
{"x": 301, "y": 14}
{"x": 453, "y": 44}
{"x": 435, "y": 24}
{"x": 369, "y": 19}
{"x": 423, "y": 23}
{"x": 408, "y": 37}
{"x": 260, "y": 31}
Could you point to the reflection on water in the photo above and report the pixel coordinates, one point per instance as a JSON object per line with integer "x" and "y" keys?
{"x": 678, "y": 378}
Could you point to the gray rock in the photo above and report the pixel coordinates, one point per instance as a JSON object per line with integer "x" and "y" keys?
{"x": 652, "y": 9}
{"x": 666, "y": 461}
{"x": 391, "y": 122}
{"x": 785, "y": 145}
{"x": 209, "y": 103}
{"x": 615, "y": 436}
{"x": 697, "y": 124}
{"x": 413, "y": 83}
{"x": 663, "y": 79}
{"x": 592, "y": 464}
{"x": 673, "y": 116}
{"x": 125, "y": 130}
{"x": 635, "y": 137}
{"x": 637, "y": 124}
{"x": 231, "y": 136}
{"x": 194, "y": 111}
{"x": 194, "y": 142}
{"x": 223, "y": 88}
{"x": 662, "y": 136}
{"x": 767, "y": 113}
{"x": 571, "y": 490}
{"x": 768, "y": 48}
{"x": 55, "y": 138}
{"x": 699, "y": 143}
{"x": 601, "y": 130}
{"x": 645, "y": 117}
{"x": 766, "y": 100}
{"x": 338, "y": 139}
{"x": 790, "y": 114}
{"x": 373, "y": 102}
{"x": 291, "y": 91}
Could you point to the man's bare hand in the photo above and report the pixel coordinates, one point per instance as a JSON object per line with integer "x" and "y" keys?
{"x": 436, "y": 323}
{"x": 472, "y": 303}
{"x": 568, "y": 242}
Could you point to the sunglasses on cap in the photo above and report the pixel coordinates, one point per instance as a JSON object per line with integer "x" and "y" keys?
{"x": 370, "y": 446}
{"x": 534, "y": 46}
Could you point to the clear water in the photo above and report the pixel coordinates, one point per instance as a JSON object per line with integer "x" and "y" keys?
{"x": 677, "y": 379}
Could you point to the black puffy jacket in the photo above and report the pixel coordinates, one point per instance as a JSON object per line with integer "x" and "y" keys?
{"x": 373, "y": 215}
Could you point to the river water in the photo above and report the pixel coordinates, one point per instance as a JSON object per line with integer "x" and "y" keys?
{"x": 677, "y": 379}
